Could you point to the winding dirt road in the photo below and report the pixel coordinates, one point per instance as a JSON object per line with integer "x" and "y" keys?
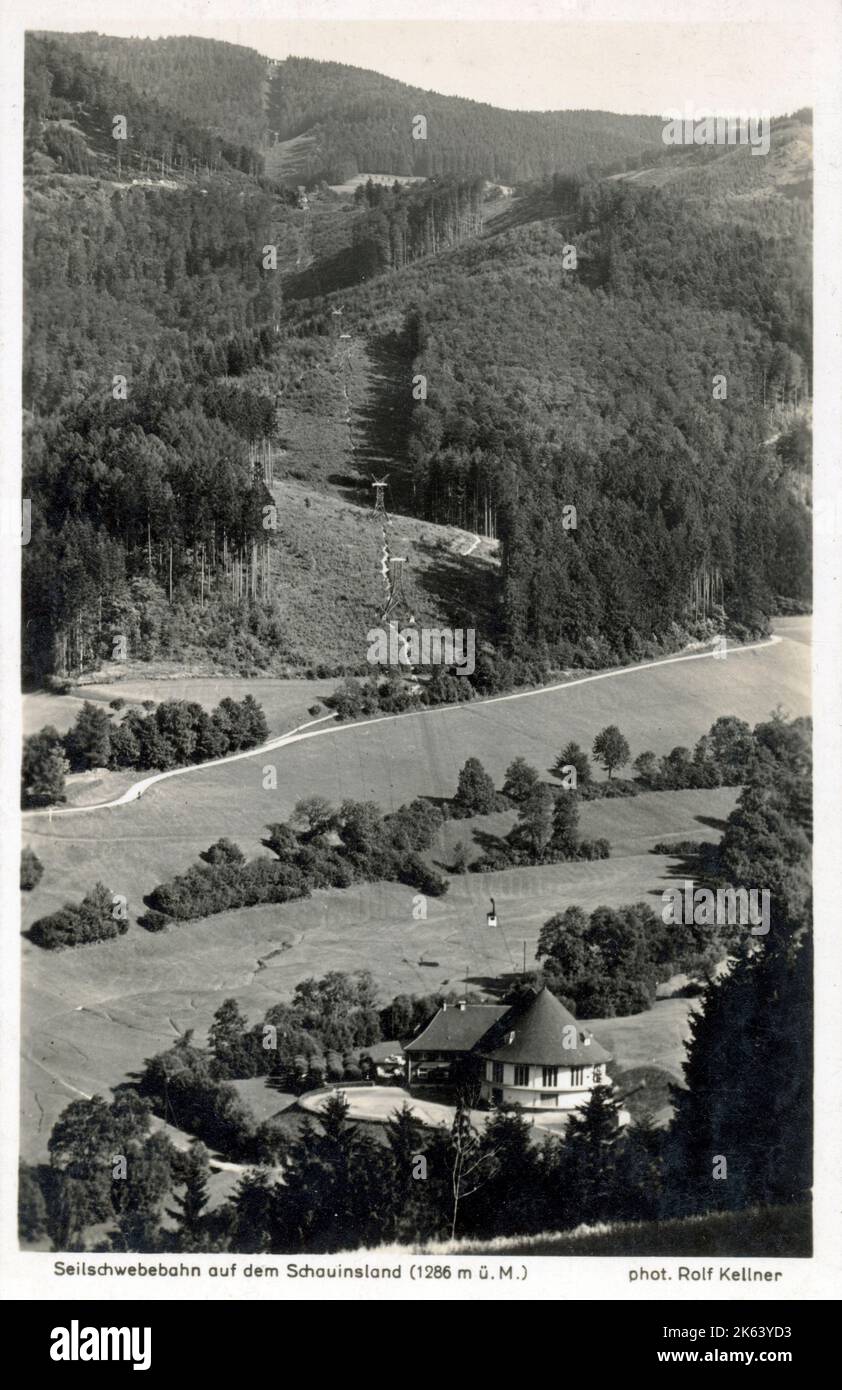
{"x": 308, "y": 730}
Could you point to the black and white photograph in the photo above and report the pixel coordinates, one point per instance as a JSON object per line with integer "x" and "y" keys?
{"x": 423, "y": 606}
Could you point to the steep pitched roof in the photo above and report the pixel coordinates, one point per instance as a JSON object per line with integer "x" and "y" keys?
{"x": 457, "y": 1030}
{"x": 534, "y": 1031}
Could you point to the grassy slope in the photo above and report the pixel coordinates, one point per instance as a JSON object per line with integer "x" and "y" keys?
{"x": 735, "y": 174}
{"x": 326, "y": 565}
{"x": 284, "y": 702}
{"x": 760, "y": 1231}
{"x": 92, "y": 1016}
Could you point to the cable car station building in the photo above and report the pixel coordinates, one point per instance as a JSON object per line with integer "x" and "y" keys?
{"x": 533, "y": 1053}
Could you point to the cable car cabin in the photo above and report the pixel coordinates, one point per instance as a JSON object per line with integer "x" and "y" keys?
{"x": 491, "y": 919}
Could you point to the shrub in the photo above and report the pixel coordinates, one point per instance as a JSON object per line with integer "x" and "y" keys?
{"x": 521, "y": 781}
{"x": 43, "y": 768}
{"x": 419, "y": 875}
{"x": 76, "y": 924}
{"x": 677, "y": 847}
{"x": 154, "y": 921}
{"x": 594, "y": 849}
{"x": 205, "y": 890}
{"x": 31, "y": 869}
{"x": 347, "y": 699}
{"x": 223, "y": 852}
{"x": 414, "y": 826}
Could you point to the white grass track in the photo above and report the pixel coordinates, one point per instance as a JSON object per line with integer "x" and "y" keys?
{"x": 308, "y": 731}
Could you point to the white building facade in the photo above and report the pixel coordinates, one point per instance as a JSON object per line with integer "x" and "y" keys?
{"x": 541, "y": 1087}
{"x": 532, "y": 1054}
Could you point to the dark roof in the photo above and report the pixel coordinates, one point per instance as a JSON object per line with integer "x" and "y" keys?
{"x": 533, "y": 1031}
{"x": 457, "y": 1030}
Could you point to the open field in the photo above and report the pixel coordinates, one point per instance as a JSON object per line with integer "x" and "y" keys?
{"x": 285, "y": 702}
{"x": 91, "y": 1016}
{"x": 386, "y": 180}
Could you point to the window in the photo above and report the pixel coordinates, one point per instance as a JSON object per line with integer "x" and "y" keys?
{"x": 496, "y": 1071}
{"x": 549, "y": 1077}
{"x": 550, "y": 1098}
{"x": 521, "y": 1074}
{"x": 597, "y": 1073}
{"x": 577, "y": 1076}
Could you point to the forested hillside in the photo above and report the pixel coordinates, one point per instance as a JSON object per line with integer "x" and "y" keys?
{"x": 216, "y": 85}
{"x": 70, "y": 109}
{"x": 568, "y": 405}
{"x": 362, "y": 122}
{"x": 551, "y": 387}
{"x": 146, "y": 301}
{"x": 355, "y": 120}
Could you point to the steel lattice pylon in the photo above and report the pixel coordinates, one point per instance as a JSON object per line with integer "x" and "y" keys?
{"x": 396, "y": 593}
{"x": 380, "y": 485}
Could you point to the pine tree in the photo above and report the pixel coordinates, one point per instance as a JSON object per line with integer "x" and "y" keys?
{"x": 572, "y": 756}
{"x": 190, "y": 1205}
{"x": 227, "y": 1041}
{"x": 591, "y": 1158}
{"x": 565, "y": 836}
{"x": 475, "y": 793}
{"x": 509, "y": 1202}
{"x": 748, "y": 1096}
{"x": 254, "y": 1205}
{"x": 335, "y": 1186}
{"x": 535, "y": 819}
{"x": 410, "y": 1216}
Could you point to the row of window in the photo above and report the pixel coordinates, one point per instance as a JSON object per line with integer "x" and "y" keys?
{"x": 549, "y": 1075}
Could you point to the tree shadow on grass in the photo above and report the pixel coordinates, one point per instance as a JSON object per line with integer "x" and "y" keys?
{"x": 350, "y": 488}
{"x": 497, "y": 985}
{"x": 492, "y": 844}
{"x": 713, "y": 823}
{"x": 465, "y": 590}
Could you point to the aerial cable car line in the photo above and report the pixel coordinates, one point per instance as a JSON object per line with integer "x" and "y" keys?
{"x": 492, "y": 920}
{"x": 509, "y": 950}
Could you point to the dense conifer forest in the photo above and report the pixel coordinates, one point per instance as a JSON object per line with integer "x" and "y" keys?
{"x": 354, "y": 120}
{"x": 568, "y": 407}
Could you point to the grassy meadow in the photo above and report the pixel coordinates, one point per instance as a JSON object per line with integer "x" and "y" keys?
{"x": 92, "y": 1015}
